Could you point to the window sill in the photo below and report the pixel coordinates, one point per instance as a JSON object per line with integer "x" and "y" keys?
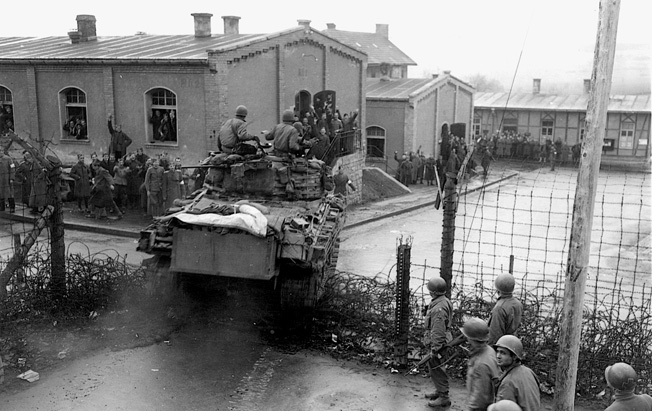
{"x": 171, "y": 144}
{"x": 74, "y": 141}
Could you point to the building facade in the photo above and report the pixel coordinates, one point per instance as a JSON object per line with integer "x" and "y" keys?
{"x": 406, "y": 115}
{"x": 169, "y": 93}
{"x": 542, "y": 117}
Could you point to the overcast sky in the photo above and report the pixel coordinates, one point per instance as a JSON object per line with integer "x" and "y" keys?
{"x": 465, "y": 36}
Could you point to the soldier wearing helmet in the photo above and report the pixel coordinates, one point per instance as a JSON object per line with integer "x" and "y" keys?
{"x": 622, "y": 378}
{"x": 234, "y": 131}
{"x": 287, "y": 140}
{"x": 517, "y": 382}
{"x": 437, "y": 336}
{"x": 482, "y": 365}
{"x": 506, "y": 315}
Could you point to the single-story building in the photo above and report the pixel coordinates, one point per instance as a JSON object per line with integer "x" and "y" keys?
{"x": 61, "y": 90}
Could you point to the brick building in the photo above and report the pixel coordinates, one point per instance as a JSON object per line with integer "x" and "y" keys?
{"x": 192, "y": 83}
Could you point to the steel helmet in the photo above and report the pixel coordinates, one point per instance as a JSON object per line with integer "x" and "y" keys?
{"x": 505, "y": 283}
{"x": 504, "y": 405}
{"x": 437, "y": 285}
{"x": 288, "y": 115}
{"x": 511, "y": 343}
{"x": 475, "y": 329}
{"x": 241, "y": 111}
{"x": 620, "y": 376}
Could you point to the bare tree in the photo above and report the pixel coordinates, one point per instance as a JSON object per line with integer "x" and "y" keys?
{"x": 483, "y": 83}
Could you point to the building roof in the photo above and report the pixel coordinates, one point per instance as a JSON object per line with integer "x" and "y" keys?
{"x": 559, "y": 102}
{"x": 405, "y": 88}
{"x": 377, "y": 47}
{"x": 140, "y": 48}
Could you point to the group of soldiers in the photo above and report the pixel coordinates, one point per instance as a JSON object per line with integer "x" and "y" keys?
{"x": 496, "y": 378}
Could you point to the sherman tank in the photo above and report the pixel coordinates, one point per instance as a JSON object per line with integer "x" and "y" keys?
{"x": 258, "y": 217}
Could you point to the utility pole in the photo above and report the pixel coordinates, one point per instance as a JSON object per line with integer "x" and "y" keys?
{"x": 587, "y": 180}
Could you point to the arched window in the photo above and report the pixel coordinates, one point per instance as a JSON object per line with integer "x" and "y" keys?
{"x": 375, "y": 141}
{"x": 162, "y": 116}
{"x": 6, "y": 111}
{"x": 74, "y": 114}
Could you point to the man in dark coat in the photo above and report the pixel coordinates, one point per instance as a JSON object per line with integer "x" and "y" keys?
{"x": 7, "y": 177}
{"x": 101, "y": 193}
{"x": 81, "y": 173}
{"x": 119, "y": 140}
{"x": 24, "y": 176}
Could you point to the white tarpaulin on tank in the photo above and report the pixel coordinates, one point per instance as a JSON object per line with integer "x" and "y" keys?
{"x": 248, "y": 218}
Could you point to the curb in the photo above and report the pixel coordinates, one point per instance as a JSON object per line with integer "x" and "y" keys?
{"x": 420, "y": 205}
{"x": 121, "y": 232}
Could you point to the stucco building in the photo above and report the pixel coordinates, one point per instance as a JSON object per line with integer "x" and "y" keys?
{"x": 189, "y": 83}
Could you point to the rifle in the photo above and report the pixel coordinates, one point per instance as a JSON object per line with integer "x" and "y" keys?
{"x": 427, "y": 358}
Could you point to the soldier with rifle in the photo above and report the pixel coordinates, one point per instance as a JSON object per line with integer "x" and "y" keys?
{"x": 437, "y": 336}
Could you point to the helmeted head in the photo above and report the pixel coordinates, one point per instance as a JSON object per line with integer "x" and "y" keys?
{"x": 621, "y": 376}
{"x": 288, "y": 116}
{"x": 505, "y": 283}
{"x": 475, "y": 329}
{"x": 504, "y": 405}
{"x": 298, "y": 126}
{"x": 512, "y": 344}
{"x": 241, "y": 111}
{"x": 437, "y": 286}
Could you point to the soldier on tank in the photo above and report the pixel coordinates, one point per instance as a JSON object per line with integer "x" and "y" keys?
{"x": 234, "y": 131}
{"x": 506, "y": 315}
{"x": 287, "y": 141}
{"x": 436, "y": 338}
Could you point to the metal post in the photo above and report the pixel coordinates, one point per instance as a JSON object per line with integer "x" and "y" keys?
{"x": 402, "y": 319}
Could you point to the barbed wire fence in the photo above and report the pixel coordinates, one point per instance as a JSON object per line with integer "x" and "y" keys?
{"x": 523, "y": 226}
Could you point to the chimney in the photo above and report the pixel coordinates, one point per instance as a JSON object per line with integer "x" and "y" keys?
{"x": 231, "y": 24}
{"x": 202, "y": 24}
{"x": 86, "y": 27}
{"x": 75, "y": 36}
{"x": 330, "y": 26}
{"x": 447, "y": 72}
{"x": 383, "y": 30}
{"x": 536, "y": 86}
{"x": 587, "y": 85}
{"x": 304, "y": 23}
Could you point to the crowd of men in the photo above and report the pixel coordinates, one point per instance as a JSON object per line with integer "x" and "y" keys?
{"x": 497, "y": 379}
{"x": 509, "y": 144}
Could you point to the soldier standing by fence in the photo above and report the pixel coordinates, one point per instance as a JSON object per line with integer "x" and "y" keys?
{"x": 437, "y": 336}
{"x": 517, "y": 382}
{"x": 7, "y": 176}
{"x": 482, "y": 365}
{"x": 622, "y": 378}
{"x": 506, "y": 315}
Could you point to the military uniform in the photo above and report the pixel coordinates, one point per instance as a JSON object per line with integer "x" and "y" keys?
{"x": 437, "y": 324}
{"x": 628, "y": 401}
{"x": 518, "y": 383}
{"x": 482, "y": 371}
{"x": 505, "y": 317}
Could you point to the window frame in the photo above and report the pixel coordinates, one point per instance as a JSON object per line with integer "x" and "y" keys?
{"x": 70, "y": 108}
{"x": 166, "y": 104}
{"x": 380, "y": 136}
{"x": 4, "y": 102}
{"x": 477, "y": 125}
{"x": 548, "y": 128}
